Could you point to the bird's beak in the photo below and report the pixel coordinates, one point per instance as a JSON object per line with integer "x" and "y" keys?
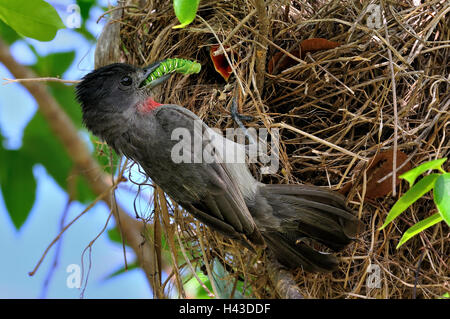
{"x": 148, "y": 70}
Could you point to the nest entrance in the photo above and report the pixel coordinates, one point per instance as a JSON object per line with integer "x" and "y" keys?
{"x": 336, "y": 109}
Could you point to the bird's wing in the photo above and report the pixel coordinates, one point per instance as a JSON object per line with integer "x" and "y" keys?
{"x": 222, "y": 206}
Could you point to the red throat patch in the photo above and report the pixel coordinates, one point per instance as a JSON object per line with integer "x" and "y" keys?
{"x": 148, "y": 105}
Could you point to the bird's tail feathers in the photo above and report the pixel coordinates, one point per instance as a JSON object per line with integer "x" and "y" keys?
{"x": 307, "y": 214}
{"x": 297, "y": 253}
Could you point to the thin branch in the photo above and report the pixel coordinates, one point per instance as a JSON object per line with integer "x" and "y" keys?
{"x": 236, "y": 29}
{"x": 261, "y": 53}
{"x": 206, "y": 262}
{"x": 56, "y": 239}
{"x": 423, "y": 135}
{"x": 233, "y": 69}
{"x": 89, "y": 247}
{"x": 51, "y": 271}
{"x": 394, "y": 98}
{"x": 191, "y": 267}
{"x": 46, "y": 79}
{"x": 284, "y": 282}
{"x": 319, "y": 140}
{"x": 330, "y": 74}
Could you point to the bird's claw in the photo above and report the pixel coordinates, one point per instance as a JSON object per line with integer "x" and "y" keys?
{"x": 237, "y": 117}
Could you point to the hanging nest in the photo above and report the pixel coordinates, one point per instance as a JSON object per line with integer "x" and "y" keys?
{"x": 340, "y": 121}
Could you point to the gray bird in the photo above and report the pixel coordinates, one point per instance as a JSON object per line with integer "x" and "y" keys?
{"x": 118, "y": 107}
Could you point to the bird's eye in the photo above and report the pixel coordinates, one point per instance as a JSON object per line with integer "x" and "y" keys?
{"x": 126, "y": 81}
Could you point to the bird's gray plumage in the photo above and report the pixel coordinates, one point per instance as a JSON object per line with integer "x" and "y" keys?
{"x": 290, "y": 219}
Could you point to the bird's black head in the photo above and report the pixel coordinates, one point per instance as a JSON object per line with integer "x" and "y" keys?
{"x": 112, "y": 89}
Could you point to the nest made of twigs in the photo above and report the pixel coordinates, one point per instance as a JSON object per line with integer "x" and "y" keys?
{"x": 343, "y": 96}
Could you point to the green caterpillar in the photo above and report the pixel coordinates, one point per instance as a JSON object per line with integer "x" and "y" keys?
{"x": 174, "y": 65}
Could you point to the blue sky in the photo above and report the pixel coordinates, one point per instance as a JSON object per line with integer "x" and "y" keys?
{"x": 22, "y": 249}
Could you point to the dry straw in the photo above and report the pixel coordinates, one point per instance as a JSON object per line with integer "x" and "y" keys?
{"x": 383, "y": 88}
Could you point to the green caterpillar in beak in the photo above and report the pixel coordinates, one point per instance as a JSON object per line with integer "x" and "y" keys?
{"x": 168, "y": 66}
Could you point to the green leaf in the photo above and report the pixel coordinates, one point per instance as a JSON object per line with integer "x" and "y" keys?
{"x": 18, "y": 185}
{"x": 114, "y": 235}
{"x": 201, "y": 292}
{"x": 84, "y": 194}
{"x": 34, "y": 19}
{"x": 442, "y": 196}
{"x": 65, "y": 95}
{"x": 39, "y": 141}
{"x": 85, "y": 7}
{"x": 104, "y": 155}
{"x": 122, "y": 270}
{"x": 413, "y": 194}
{"x": 185, "y": 10}
{"x": 412, "y": 175}
{"x": 41, "y": 146}
{"x": 223, "y": 284}
{"x": 7, "y": 33}
{"x": 420, "y": 226}
{"x": 54, "y": 64}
